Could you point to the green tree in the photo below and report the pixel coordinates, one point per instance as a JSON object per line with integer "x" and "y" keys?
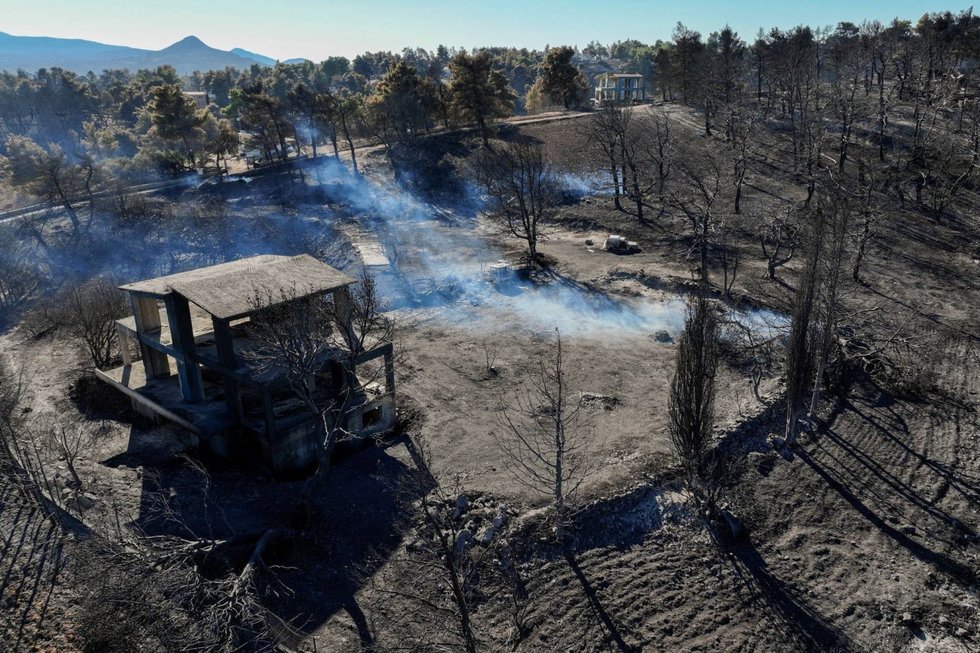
{"x": 175, "y": 118}
{"x": 398, "y": 108}
{"x": 49, "y": 175}
{"x": 561, "y": 80}
{"x": 479, "y": 91}
{"x": 334, "y": 67}
{"x": 220, "y": 140}
{"x": 265, "y": 116}
{"x": 347, "y": 109}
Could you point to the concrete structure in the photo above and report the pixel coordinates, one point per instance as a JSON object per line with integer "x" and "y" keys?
{"x": 192, "y": 334}
{"x": 619, "y": 87}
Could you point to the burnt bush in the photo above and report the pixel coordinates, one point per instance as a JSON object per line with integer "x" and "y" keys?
{"x": 86, "y": 313}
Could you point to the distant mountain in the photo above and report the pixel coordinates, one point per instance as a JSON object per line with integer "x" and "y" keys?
{"x": 262, "y": 59}
{"x": 257, "y": 58}
{"x": 187, "y": 55}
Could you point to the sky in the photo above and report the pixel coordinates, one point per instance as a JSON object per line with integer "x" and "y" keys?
{"x": 316, "y": 29}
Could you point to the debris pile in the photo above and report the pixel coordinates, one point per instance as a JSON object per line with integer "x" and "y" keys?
{"x": 474, "y": 519}
{"x": 663, "y": 336}
{"x": 619, "y": 245}
{"x": 499, "y": 272}
{"x": 593, "y": 400}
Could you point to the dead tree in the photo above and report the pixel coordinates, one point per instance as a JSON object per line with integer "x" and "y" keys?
{"x": 490, "y": 352}
{"x": 20, "y": 461}
{"x": 11, "y": 393}
{"x": 631, "y": 148}
{"x": 848, "y": 64}
{"x": 19, "y": 278}
{"x": 87, "y": 314}
{"x": 952, "y": 164}
{"x": 779, "y": 237}
{"x": 756, "y": 347}
{"x": 741, "y": 127}
{"x": 698, "y": 187}
{"x": 69, "y": 442}
{"x": 151, "y": 589}
{"x": 691, "y": 404}
{"x": 297, "y": 337}
{"x": 624, "y": 142}
{"x": 439, "y": 575}
{"x": 542, "y": 440}
{"x": 730, "y": 252}
{"x": 801, "y": 346}
{"x": 884, "y": 44}
{"x": 837, "y": 208}
{"x": 605, "y": 130}
{"x": 870, "y": 212}
{"x": 661, "y": 151}
{"x": 522, "y": 190}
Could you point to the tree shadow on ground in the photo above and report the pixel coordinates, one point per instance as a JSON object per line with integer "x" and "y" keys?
{"x": 932, "y": 317}
{"x": 613, "y": 630}
{"x": 32, "y": 555}
{"x": 874, "y": 488}
{"x": 957, "y": 571}
{"x": 793, "y": 617}
{"x": 310, "y": 577}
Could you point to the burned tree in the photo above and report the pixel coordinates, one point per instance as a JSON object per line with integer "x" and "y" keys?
{"x": 19, "y": 277}
{"x": 521, "y": 188}
{"x": 699, "y": 186}
{"x": 848, "y": 64}
{"x": 870, "y": 212}
{"x": 299, "y": 337}
{"x": 174, "y": 593}
{"x": 604, "y": 130}
{"x": 779, "y": 237}
{"x": 952, "y": 164}
{"x": 691, "y": 405}
{"x": 86, "y": 313}
{"x": 542, "y": 440}
{"x": 661, "y": 151}
{"x": 837, "y": 207}
{"x": 802, "y": 344}
{"x": 622, "y": 141}
{"x": 741, "y": 127}
{"x": 442, "y": 573}
{"x": 11, "y": 394}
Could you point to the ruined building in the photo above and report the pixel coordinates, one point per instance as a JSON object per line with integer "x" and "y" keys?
{"x": 192, "y": 334}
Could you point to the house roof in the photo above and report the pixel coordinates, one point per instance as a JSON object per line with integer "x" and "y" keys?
{"x": 238, "y": 288}
{"x": 621, "y": 75}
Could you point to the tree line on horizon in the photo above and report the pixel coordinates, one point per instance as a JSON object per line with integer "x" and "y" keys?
{"x": 143, "y": 122}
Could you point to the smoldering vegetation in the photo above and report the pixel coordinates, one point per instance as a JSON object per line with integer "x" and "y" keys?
{"x": 439, "y": 253}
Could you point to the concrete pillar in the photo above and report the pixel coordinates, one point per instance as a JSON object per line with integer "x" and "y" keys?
{"x": 147, "y": 316}
{"x": 124, "y": 345}
{"x": 390, "y": 370}
{"x": 270, "y": 417}
{"x": 182, "y": 337}
{"x": 342, "y": 309}
{"x": 229, "y": 362}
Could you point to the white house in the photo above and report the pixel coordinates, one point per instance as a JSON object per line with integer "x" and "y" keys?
{"x": 620, "y": 87}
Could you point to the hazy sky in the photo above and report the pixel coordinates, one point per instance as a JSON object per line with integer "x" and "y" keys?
{"x": 316, "y": 29}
